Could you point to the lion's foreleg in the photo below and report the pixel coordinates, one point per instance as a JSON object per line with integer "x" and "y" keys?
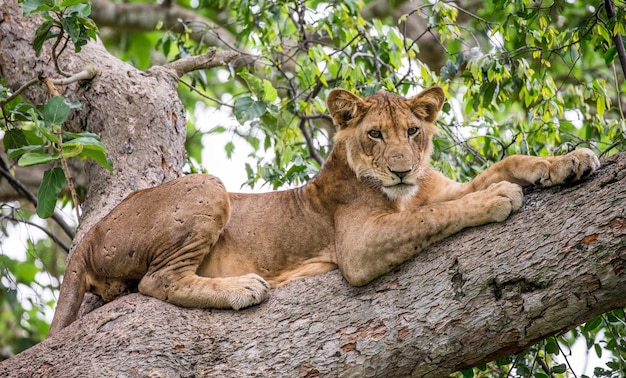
{"x": 369, "y": 249}
{"x": 533, "y": 170}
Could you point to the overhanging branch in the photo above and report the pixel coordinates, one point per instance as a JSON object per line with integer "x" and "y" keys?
{"x": 205, "y": 61}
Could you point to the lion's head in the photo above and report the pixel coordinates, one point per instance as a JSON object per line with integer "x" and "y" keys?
{"x": 388, "y": 139}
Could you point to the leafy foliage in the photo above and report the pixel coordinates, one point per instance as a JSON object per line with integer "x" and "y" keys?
{"x": 36, "y": 137}
{"x": 69, "y": 17}
{"x": 27, "y": 286}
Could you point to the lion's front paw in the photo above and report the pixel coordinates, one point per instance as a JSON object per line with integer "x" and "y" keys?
{"x": 572, "y": 167}
{"x": 246, "y": 291}
{"x": 503, "y": 198}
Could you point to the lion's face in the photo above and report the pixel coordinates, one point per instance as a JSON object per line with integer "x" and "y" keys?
{"x": 387, "y": 137}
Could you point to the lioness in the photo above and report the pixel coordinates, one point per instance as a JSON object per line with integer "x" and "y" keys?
{"x": 374, "y": 204}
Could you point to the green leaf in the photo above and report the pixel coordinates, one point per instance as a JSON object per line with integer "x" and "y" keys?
{"x": 598, "y": 349}
{"x": 552, "y": 347}
{"x": 559, "y": 369}
{"x": 89, "y": 146}
{"x": 15, "y": 152}
{"x": 609, "y": 55}
{"x": 489, "y": 92}
{"x": 47, "y": 132}
{"x": 33, "y": 138}
{"x": 56, "y": 111}
{"x": 601, "y": 105}
{"x": 73, "y": 27}
{"x": 99, "y": 157}
{"x": 269, "y": 92}
{"x": 43, "y": 33}
{"x": 229, "y": 147}
{"x": 592, "y": 324}
{"x": 53, "y": 181}
{"x": 255, "y": 84}
{"x": 247, "y": 109}
{"x": 87, "y": 142}
{"x": 34, "y": 158}
{"x": 79, "y": 6}
{"x": 25, "y": 272}
{"x": 84, "y": 134}
{"x": 72, "y": 150}
{"x": 13, "y": 139}
{"x": 31, "y": 6}
{"x": 217, "y": 130}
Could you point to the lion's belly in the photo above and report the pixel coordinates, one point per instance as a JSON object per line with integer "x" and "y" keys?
{"x": 275, "y": 265}
{"x": 274, "y": 236}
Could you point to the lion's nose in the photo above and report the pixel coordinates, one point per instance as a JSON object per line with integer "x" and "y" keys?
{"x": 400, "y": 174}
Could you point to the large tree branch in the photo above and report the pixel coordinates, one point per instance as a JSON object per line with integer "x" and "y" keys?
{"x": 481, "y": 294}
{"x": 147, "y": 16}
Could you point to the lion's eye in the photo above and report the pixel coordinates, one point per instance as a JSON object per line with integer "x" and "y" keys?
{"x": 376, "y": 134}
{"x": 412, "y": 131}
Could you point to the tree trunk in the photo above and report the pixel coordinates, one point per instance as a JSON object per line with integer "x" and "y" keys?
{"x": 484, "y": 293}
{"x": 138, "y": 115}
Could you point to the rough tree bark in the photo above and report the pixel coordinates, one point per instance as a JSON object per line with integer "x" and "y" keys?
{"x": 484, "y": 293}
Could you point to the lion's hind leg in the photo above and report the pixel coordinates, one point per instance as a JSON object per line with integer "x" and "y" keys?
{"x": 191, "y": 290}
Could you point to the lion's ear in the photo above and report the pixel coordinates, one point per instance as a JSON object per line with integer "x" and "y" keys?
{"x": 343, "y": 106}
{"x": 427, "y": 104}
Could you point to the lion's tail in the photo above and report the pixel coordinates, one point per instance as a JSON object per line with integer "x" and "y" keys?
{"x": 72, "y": 292}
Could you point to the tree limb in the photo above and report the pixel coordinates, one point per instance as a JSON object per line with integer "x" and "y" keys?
{"x": 52, "y": 236}
{"x": 484, "y": 293}
{"x": 205, "y": 61}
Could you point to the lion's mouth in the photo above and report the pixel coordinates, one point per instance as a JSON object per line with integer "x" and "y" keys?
{"x": 401, "y": 182}
{"x": 400, "y": 185}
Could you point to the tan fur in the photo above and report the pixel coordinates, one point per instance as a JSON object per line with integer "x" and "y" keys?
{"x": 375, "y": 203}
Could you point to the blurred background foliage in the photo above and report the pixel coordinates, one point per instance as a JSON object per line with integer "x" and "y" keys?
{"x": 522, "y": 77}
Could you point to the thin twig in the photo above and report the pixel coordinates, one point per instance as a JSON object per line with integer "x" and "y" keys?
{"x": 18, "y": 91}
{"x": 309, "y": 142}
{"x": 56, "y": 240}
{"x": 87, "y": 73}
{"x": 566, "y": 360}
{"x": 205, "y": 95}
{"x": 56, "y": 55}
{"x": 68, "y": 176}
{"x": 66, "y": 170}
